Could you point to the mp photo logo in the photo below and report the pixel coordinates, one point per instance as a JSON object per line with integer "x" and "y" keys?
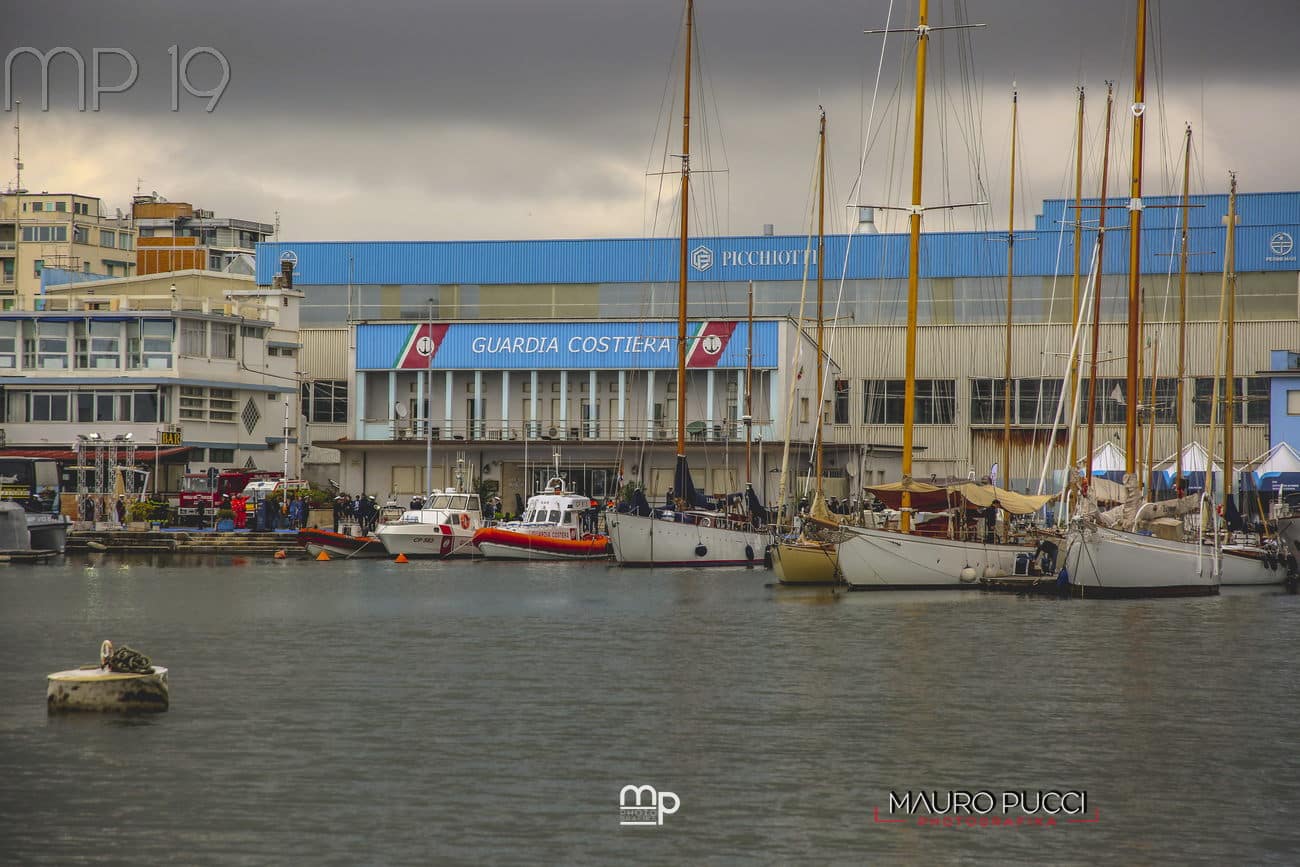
{"x": 115, "y": 70}
{"x": 645, "y": 805}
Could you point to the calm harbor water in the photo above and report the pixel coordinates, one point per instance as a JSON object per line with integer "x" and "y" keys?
{"x": 367, "y": 712}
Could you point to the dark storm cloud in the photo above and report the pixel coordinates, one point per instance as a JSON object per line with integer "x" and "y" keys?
{"x": 544, "y": 110}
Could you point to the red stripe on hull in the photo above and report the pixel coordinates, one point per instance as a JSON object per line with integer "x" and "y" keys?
{"x": 595, "y": 546}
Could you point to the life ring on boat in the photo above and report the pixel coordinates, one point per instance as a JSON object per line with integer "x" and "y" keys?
{"x": 706, "y": 522}
{"x": 464, "y": 521}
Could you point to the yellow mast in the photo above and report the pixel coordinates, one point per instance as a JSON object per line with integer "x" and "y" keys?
{"x": 749, "y": 394}
{"x": 914, "y": 261}
{"x": 1078, "y": 243}
{"x": 1182, "y": 310}
{"x": 1096, "y": 294}
{"x": 1135, "y": 246}
{"x": 821, "y": 259}
{"x": 1229, "y": 369}
{"x": 1011, "y": 258}
{"x": 682, "y": 272}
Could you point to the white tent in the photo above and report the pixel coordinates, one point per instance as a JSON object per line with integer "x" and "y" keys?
{"x": 1195, "y": 460}
{"x": 1107, "y": 458}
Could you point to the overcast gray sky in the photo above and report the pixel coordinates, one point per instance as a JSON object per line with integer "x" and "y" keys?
{"x": 451, "y": 119}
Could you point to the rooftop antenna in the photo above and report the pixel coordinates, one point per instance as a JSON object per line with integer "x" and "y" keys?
{"x": 277, "y": 226}
{"x": 18, "y": 146}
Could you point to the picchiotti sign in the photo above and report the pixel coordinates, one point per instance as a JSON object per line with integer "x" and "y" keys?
{"x": 715, "y": 343}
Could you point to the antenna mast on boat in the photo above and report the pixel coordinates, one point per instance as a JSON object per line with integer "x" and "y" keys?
{"x": 1138, "y": 109}
{"x": 1096, "y": 293}
{"x": 682, "y": 273}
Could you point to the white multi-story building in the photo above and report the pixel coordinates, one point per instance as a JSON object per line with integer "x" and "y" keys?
{"x": 207, "y": 360}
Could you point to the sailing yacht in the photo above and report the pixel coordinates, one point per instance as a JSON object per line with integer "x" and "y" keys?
{"x": 813, "y": 556}
{"x": 691, "y": 531}
{"x": 1118, "y": 561}
{"x": 872, "y": 558}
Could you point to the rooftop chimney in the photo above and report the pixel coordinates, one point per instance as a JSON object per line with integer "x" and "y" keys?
{"x": 286, "y": 273}
{"x": 769, "y": 229}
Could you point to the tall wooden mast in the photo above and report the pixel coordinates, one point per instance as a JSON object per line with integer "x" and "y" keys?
{"x": 1229, "y": 368}
{"x": 1011, "y": 270}
{"x": 1096, "y": 293}
{"x": 682, "y": 273}
{"x": 914, "y": 260}
{"x": 1138, "y": 110}
{"x": 1182, "y": 310}
{"x": 1078, "y": 244}
{"x": 821, "y": 259}
{"x": 749, "y": 389}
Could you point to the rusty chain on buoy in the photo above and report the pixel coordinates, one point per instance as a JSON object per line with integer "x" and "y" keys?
{"x": 124, "y": 660}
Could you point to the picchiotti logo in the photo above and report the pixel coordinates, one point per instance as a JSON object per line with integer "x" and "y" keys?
{"x": 645, "y": 805}
{"x": 701, "y": 258}
{"x": 1281, "y": 246}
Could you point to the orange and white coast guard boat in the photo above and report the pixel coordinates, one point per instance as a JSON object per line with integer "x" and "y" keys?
{"x": 556, "y": 525}
{"x": 445, "y": 527}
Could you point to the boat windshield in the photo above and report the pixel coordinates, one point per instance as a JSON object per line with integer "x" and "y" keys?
{"x": 460, "y": 503}
{"x": 441, "y": 501}
{"x": 473, "y": 504}
{"x": 555, "y": 516}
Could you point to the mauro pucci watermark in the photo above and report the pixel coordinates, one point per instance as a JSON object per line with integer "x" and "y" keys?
{"x": 92, "y": 75}
{"x": 960, "y": 808}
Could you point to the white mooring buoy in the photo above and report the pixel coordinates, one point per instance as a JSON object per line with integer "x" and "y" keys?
{"x": 123, "y": 681}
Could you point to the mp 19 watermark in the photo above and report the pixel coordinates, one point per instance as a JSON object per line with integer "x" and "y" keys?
{"x": 645, "y": 805}
{"x": 960, "y": 808}
{"x": 179, "y": 69}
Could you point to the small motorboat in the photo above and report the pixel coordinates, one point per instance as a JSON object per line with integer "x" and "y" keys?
{"x": 556, "y": 525}
{"x": 340, "y": 544}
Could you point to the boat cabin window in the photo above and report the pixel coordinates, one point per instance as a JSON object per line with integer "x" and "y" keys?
{"x": 440, "y": 501}
{"x": 474, "y": 503}
{"x": 555, "y": 516}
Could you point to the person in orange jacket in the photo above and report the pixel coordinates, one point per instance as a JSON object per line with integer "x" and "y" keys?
{"x": 239, "y": 505}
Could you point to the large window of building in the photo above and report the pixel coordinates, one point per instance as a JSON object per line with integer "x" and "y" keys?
{"x": 98, "y": 344}
{"x": 45, "y": 344}
{"x": 118, "y": 406}
{"x": 325, "y": 401}
{"x": 48, "y": 406}
{"x": 46, "y": 234}
{"x": 1251, "y": 400}
{"x": 107, "y": 238}
{"x": 9, "y": 344}
{"x": 149, "y": 344}
{"x": 223, "y": 340}
{"x": 936, "y": 401}
{"x": 211, "y": 404}
{"x": 221, "y": 404}
{"x": 841, "y": 401}
{"x": 194, "y": 337}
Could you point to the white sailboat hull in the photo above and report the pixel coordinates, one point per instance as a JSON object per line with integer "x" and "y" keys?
{"x": 1242, "y": 570}
{"x": 888, "y": 560}
{"x": 1104, "y": 562}
{"x": 654, "y": 541}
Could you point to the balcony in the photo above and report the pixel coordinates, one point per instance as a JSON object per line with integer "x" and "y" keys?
{"x": 512, "y": 430}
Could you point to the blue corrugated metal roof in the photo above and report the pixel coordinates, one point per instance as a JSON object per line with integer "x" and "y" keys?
{"x": 1268, "y": 220}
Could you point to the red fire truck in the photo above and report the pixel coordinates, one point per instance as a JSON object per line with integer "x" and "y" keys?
{"x": 211, "y": 487}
